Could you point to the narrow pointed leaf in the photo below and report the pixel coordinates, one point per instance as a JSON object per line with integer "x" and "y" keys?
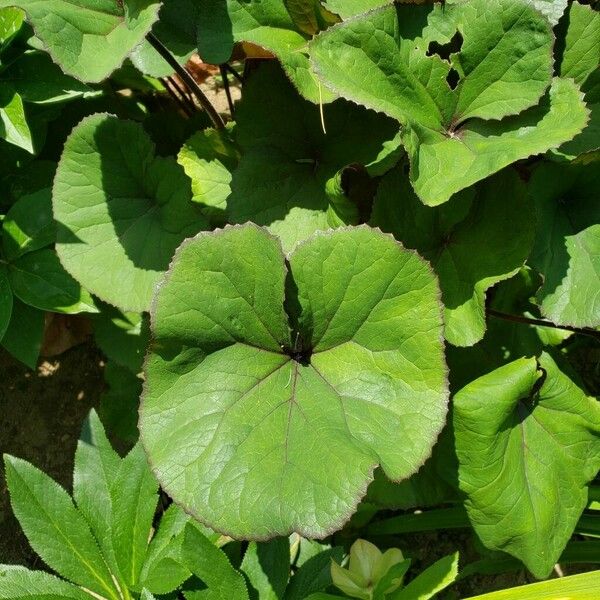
{"x": 230, "y": 388}
{"x": 96, "y": 466}
{"x": 267, "y": 568}
{"x": 19, "y": 583}
{"x": 134, "y": 499}
{"x": 212, "y": 566}
{"x": 429, "y": 582}
{"x": 164, "y": 569}
{"x": 55, "y": 529}
{"x": 121, "y": 211}
{"x": 525, "y": 459}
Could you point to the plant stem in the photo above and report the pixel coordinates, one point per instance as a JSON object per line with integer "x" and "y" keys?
{"x": 187, "y": 78}
{"x": 186, "y": 98}
{"x": 227, "y": 90}
{"x": 168, "y": 83}
{"x": 542, "y": 323}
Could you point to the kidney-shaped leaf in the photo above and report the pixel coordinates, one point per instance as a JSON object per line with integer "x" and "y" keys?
{"x": 525, "y": 458}
{"x": 465, "y": 240}
{"x": 455, "y": 77}
{"x": 121, "y": 211}
{"x": 259, "y": 427}
{"x": 89, "y": 40}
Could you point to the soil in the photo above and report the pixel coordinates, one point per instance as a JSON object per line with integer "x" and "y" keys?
{"x": 41, "y": 413}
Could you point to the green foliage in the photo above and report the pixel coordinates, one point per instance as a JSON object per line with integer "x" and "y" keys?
{"x": 526, "y": 429}
{"x": 455, "y": 136}
{"x": 250, "y": 382}
{"x": 400, "y": 215}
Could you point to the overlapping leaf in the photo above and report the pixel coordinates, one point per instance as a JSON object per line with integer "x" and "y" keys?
{"x": 465, "y": 240}
{"x": 287, "y": 158}
{"x": 265, "y": 23}
{"x": 121, "y": 211}
{"x": 208, "y": 158}
{"x": 89, "y": 40}
{"x": 567, "y": 245}
{"x": 581, "y": 61}
{"x": 526, "y": 454}
{"x": 456, "y": 78}
{"x": 240, "y": 411}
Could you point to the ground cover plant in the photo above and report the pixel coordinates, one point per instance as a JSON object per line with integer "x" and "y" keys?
{"x": 360, "y": 304}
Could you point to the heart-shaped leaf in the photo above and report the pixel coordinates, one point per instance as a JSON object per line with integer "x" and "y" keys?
{"x": 121, "y": 211}
{"x": 465, "y": 241}
{"x": 260, "y": 424}
{"x": 526, "y": 454}
{"x": 454, "y": 77}
{"x": 89, "y": 40}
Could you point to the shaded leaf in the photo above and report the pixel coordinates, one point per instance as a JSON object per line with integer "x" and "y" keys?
{"x": 121, "y": 211}
{"x": 23, "y": 336}
{"x": 465, "y": 241}
{"x": 29, "y": 224}
{"x": 265, "y": 23}
{"x": 287, "y": 159}
{"x": 6, "y": 301}
{"x": 567, "y": 245}
{"x": 39, "y": 279}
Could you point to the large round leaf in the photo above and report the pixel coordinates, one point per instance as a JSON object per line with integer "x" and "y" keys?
{"x": 121, "y": 211}
{"x": 260, "y": 423}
